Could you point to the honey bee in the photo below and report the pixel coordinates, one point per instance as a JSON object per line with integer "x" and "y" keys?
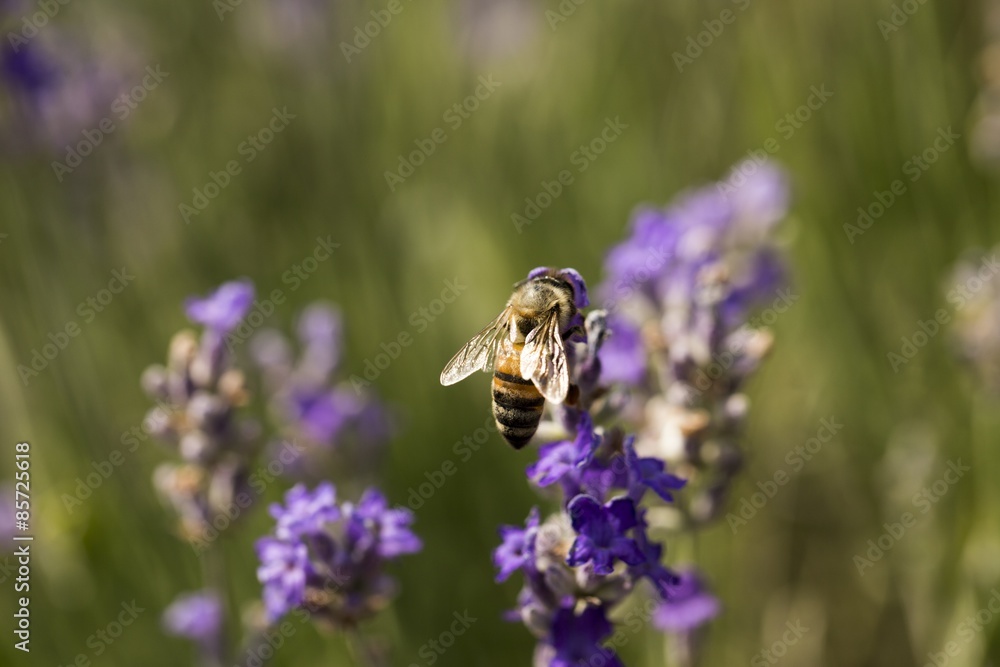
{"x": 524, "y": 349}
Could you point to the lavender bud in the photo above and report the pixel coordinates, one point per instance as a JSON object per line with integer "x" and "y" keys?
{"x": 196, "y": 447}
{"x": 232, "y": 387}
{"x": 536, "y": 618}
{"x": 158, "y": 423}
{"x": 559, "y": 578}
{"x": 154, "y": 382}
{"x": 183, "y": 349}
{"x": 206, "y": 411}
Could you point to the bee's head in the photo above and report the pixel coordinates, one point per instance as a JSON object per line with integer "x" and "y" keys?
{"x": 562, "y": 279}
{"x": 542, "y": 291}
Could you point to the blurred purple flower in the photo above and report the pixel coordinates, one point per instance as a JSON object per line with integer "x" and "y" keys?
{"x": 643, "y": 255}
{"x": 222, "y": 310}
{"x": 59, "y": 86}
{"x": 320, "y": 329}
{"x": 623, "y": 354}
{"x": 26, "y": 71}
{"x": 668, "y": 250}
{"x": 195, "y": 616}
{"x": 284, "y": 570}
{"x": 304, "y": 391}
{"x": 688, "y": 605}
{"x": 763, "y": 274}
{"x": 322, "y": 415}
{"x": 305, "y": 512}
{"x": 761, "y": 200}
{"x": 389, "y": 529}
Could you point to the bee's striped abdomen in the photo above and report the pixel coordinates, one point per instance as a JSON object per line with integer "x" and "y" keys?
{"x": 517, "y": 403}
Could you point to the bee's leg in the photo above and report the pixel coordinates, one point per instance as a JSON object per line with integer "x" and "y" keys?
{"x": 575, "y": 329}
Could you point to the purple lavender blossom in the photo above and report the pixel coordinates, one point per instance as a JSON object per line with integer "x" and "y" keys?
{"x": 573, "y": 464}
{"x": 576, "y": 639}
{"x": 559, "y": 462}
{"x": 372, "y": 518}
{"x": 284, "y": 570}
{"x": 651, "y": 567}
{"x": 333, "y": 555}
{"x": 223, "y": 309}
{"x": 305, "y": 512}
{"x": 648, "y": 473}
{"x": 688, "y": 605}
{"x": 517, "y": 548}
{"x": 623, "y": 356}
{"x": 196, "y": 616}
{"x": 601, "y": 533}
{"x": 556, "y": 463}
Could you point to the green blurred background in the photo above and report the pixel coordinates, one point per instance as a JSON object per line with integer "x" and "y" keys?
{"x": 324, "y": 174}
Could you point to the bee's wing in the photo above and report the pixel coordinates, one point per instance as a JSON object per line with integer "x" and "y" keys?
{"x": 543, "y": 360}
{"x": 479, "y": 353}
